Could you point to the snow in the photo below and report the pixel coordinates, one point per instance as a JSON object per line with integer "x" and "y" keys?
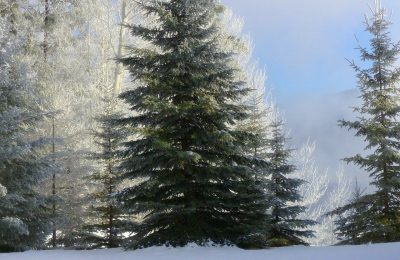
{"x": 390, "y": 251}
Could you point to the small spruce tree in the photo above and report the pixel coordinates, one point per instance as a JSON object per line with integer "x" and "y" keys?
{"x": 105, "y": 220}
{"x": 283, "y": 226}
{"x": 352, "y": 225}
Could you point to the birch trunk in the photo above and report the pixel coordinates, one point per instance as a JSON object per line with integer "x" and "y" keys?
{"x": 119, "y": 70}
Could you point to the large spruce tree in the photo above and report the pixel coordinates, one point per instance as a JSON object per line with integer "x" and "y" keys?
{"x": 23, "y": 216}
{"x": 378, "y": 123}
{"x": 193, "y": 181}
{"x": 284, "y": 227}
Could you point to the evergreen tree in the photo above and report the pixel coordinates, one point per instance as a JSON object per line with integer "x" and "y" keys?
{"x": 378, "y": 124}
{"x": 284, "y": 227}
{"x": 352, "y": 225}
{"x": 105, "y": 216}
{"x": 23, "y": 218}
{"x": 61, "y": 49}
{"x": 193, "y": 181}
{"x": 260, "y": 114}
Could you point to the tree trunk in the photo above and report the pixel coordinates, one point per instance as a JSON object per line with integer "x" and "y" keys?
{"x": 111, "y": 238}
{"x": 119, "y": 70}
{"x": 53, "y": 148}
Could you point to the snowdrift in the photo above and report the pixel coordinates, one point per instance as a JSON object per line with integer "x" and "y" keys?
{"x": 390, "y": 251}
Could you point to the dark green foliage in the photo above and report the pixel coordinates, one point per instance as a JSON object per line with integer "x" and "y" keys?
{"x": 193, "y": 182}
{"x": 353, "y": 225}
{"x": 378, "y": 124}
{"x": 105, "y": 216}
{"x": 23, "y": 215}
{"x": 284, "y": 227}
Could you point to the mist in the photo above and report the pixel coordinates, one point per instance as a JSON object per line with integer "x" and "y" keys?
{"x": 316, "y": 118}
{"x": 304, "y": 46}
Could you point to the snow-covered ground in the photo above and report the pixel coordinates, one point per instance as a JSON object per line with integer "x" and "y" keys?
{"x": 366, "y": 252}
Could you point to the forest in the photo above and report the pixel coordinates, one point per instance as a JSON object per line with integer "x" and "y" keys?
{"x": 133, "y": 124}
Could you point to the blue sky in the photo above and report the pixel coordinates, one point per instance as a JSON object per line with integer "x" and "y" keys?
{"x": 303, "y": 43}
